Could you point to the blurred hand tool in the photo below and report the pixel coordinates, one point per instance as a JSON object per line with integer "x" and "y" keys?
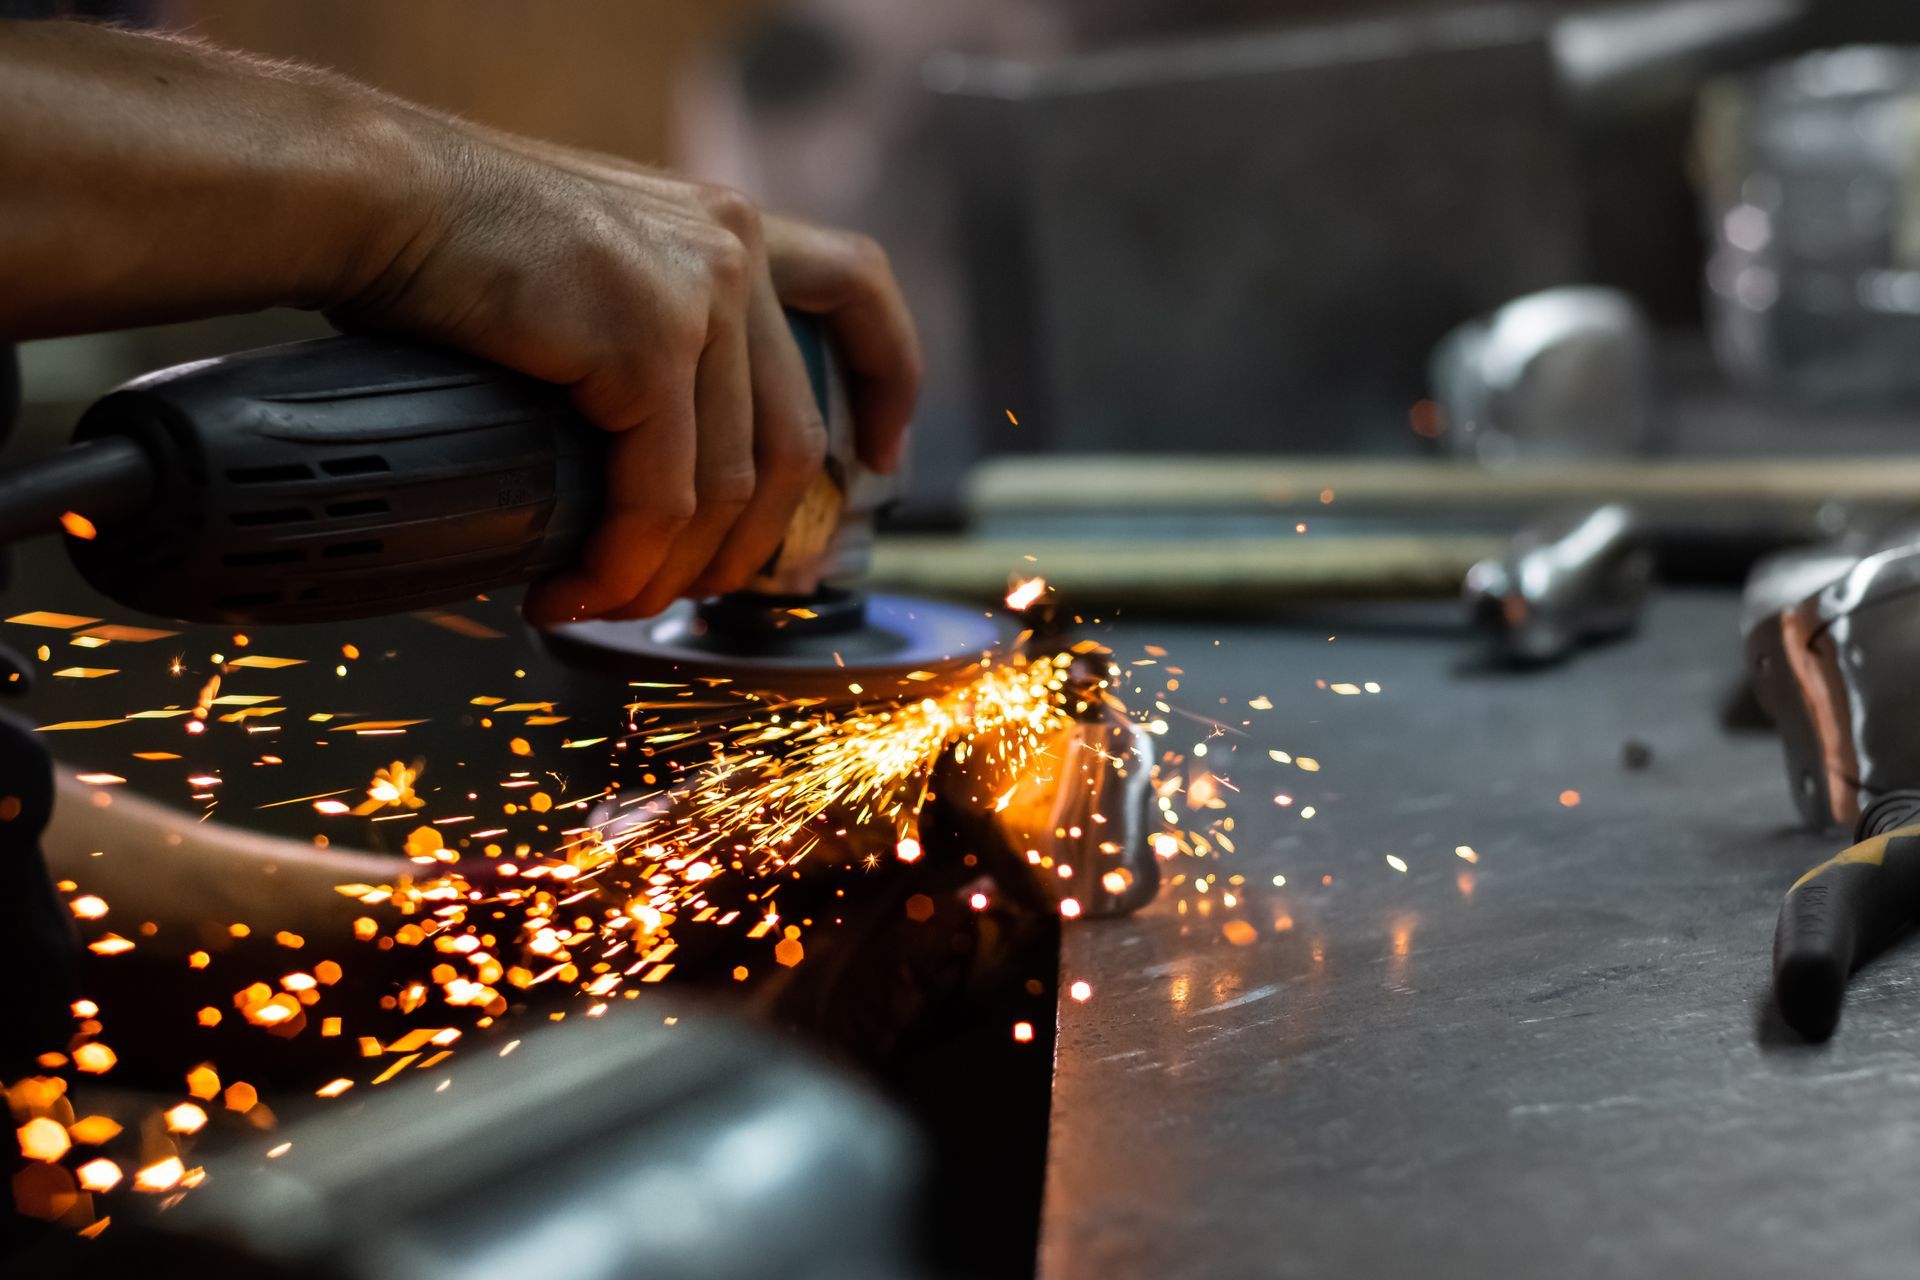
{"x": 1836, "y": 671}
{"x": 1844, "y": 911}
{"x": 1562, "y": 584}
{"x": 1783, "y": 579}
{"x": 1837, "y": 674}
{"x": 1563, "y": 373}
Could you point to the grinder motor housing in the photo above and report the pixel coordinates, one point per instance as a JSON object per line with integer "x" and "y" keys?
{"x": 352, "y": 476}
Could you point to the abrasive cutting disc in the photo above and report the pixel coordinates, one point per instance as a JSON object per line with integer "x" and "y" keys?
{"x": 905, "y": 641}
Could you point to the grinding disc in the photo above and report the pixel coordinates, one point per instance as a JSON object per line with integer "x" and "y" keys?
{"x": 901, "y": 639}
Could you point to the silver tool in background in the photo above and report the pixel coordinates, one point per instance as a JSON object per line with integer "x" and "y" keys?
{"x": 1785, "y": 578}
{"x": 1836, "y": 672}
{"x": 1562, "y": 584}
{"x": 1565, "y": 373}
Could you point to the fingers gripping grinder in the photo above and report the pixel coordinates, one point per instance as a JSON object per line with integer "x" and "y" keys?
{"x": 352, "y": 476}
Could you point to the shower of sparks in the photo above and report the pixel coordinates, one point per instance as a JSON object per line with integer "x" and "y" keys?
{"x": 515, "y": 884}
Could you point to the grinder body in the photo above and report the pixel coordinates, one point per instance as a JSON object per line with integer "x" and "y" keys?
{"x": 352, "y": 476}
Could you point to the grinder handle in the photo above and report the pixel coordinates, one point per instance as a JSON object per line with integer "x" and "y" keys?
{"x": 346, "y": 477}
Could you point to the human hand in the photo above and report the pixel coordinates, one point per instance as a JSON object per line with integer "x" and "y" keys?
{"x": 658, "y": 301}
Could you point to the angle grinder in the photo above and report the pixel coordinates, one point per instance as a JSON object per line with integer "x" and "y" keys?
{"x": 352, "y": 476}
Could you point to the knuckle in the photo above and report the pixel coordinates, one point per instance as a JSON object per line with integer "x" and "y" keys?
{"x": 671, "y": 512}
{"x": 733, "y": 210}
{"x": 684, "y": 332}
{"x": 729, "y": 265}
{"x": 675, "y": 329}
{"x": 800, "y": 452}
{"x": 729, "y": 488}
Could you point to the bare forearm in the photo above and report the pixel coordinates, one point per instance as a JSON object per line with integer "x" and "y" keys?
{"x": 146, "y": 179}
{"x": 194, "y": 878}
{"x": 143, "y": 179}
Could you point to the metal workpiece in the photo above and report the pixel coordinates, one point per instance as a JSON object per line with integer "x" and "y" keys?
{"x": 1563, "y": 373}
{"x": 1073, "y": 832}
{"x": 1557, "y": 1060}
{"x": 1836, "y": 672}
{"x": 684, "y": 1147}
{"x": 1092, "y": 835}
{"x": 1561, "y": 584}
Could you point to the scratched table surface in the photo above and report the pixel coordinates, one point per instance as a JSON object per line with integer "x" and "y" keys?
{"x": 1557, "y": 1061}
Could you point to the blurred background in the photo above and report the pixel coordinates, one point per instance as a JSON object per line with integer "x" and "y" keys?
{"x": 1240, "y": 226}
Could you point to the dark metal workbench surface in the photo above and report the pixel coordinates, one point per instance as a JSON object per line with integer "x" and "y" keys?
{"x": 1559, "y": 1061}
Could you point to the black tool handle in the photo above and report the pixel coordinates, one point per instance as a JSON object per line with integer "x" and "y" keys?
{"x": 1844, "y": 911}
{"x": 344, "y": 477}
{"x": 340, "y": 478}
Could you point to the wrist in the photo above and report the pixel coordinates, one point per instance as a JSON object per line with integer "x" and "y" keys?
{"x": 389, "y": 169}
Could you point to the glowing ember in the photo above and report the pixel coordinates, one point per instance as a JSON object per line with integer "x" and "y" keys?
{"x": 392, "y": 787}
{"x": 94, "y": 1130}
{"x": 43, "y": 1139}
{"x": 94, "y": 1059}
{"x": 1025, "y": 593}
{"x": 163, "y": 1175}
{"x": 203, "y": 1082}
{"x": 100, "y": 1174}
